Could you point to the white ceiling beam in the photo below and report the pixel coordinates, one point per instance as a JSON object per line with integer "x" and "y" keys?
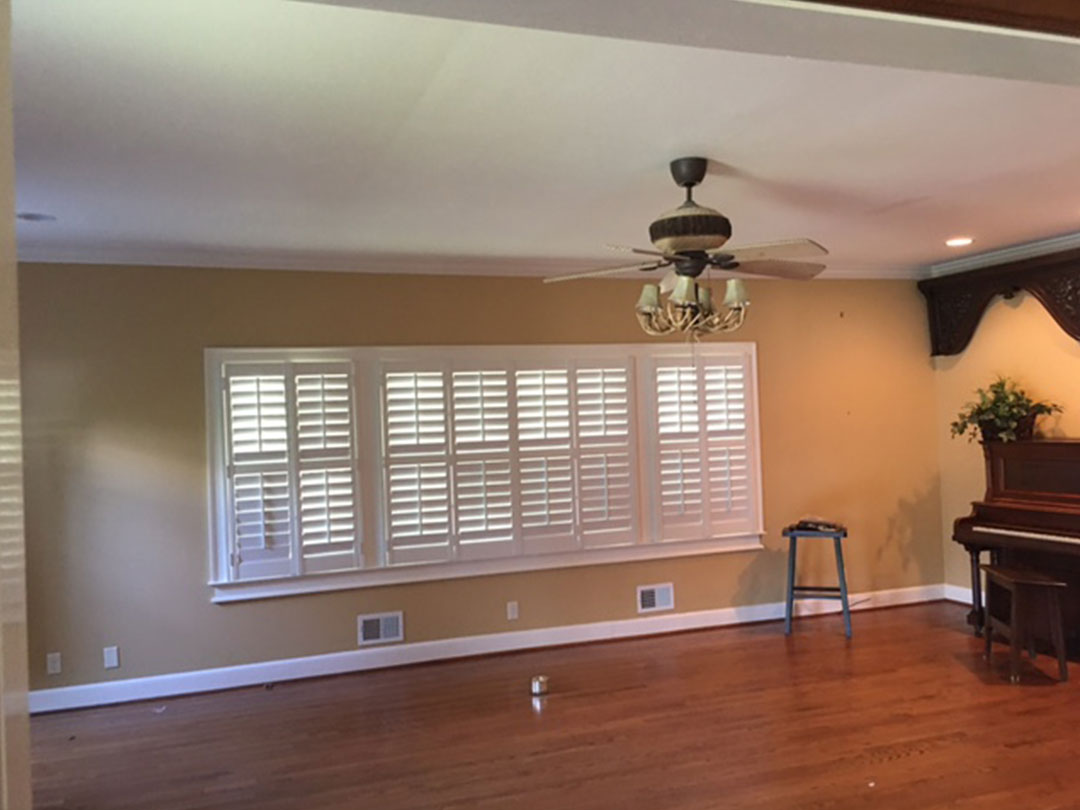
{"x": 780, "y": 28}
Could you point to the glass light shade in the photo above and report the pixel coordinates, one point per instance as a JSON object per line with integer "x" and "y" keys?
{"x": 650, "y": 298}
{"x": 735, "y": 294}
{"x": 704, "y": 298}
{"x": 685, "y": 292}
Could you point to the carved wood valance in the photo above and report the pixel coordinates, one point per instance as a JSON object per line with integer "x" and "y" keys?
{"x": 1050, "y": 16}
{"x": 956, "y": 303}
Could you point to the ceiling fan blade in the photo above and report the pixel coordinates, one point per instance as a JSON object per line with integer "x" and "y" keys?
{"x": 606, "y": 271}
{"x": 780, "y": 269}
{"x": 786, "y": 249}
{"x": 667, "y": 283}
{"x": 641, "y": 251}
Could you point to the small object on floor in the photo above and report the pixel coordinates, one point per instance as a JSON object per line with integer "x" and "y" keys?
{"x": 816, "y": 528}
{"x": 160, "y": 709}
{"x": 539, "y": 685}
{"x": 1026, "y": 588}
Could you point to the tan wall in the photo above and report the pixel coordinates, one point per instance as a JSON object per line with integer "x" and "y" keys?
{"x": 1019, "y": 339}
{"x": 116, "y": 463}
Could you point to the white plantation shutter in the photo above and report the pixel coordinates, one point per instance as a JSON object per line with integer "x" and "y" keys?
{"x": 681, "y": 492}
{"x": 290, "y": 469}
{"x": 548, "y": 516}
{"x": 476, "y": 454}
{"x": 728, "y": 447}
{"x": 704, "y": 467}
{"x": 578, "y": 456}
{"x": 483, "y": 476}
{"x": 259, "y": 477}
{"x": 417, "y": 469}
{"x": 606, "y": 455}
{"x": 326, "y": 461}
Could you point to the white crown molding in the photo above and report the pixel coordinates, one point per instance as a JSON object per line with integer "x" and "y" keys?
{"x": 228, "y": 258}
{"x": 205, "y": 680}
{"x": 1014, "y": 253}
{"x": 391, "y": 263}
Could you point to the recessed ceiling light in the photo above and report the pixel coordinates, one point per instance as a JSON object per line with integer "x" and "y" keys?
{"x": 34, "y": 216}
{"x": 959, "y": 241}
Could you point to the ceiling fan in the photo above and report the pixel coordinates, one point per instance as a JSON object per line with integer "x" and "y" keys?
{"x": 691, "y": 239}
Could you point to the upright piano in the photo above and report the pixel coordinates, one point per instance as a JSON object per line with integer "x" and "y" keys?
{"x": 1029, "y": 517}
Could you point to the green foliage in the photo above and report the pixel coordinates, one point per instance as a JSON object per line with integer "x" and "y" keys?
{"x": 999, "y": 411}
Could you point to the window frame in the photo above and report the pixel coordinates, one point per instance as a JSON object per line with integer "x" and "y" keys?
{"x": 367, "y": 363}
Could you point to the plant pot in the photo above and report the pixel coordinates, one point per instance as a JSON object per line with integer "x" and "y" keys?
{"x": 1025, "y": 430}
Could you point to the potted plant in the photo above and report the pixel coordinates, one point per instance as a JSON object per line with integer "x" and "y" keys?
{"x": 1002, "y": 413}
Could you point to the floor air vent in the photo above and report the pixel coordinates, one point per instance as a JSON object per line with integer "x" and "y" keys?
{"x": 652, "y": 598}
{"x": 380, "y": 628}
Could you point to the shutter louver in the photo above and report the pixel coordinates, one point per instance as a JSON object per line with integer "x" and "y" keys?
{"x": 481, "y": 410}
{"x": 417, "y": 467}
{"x": 415, "y": 412}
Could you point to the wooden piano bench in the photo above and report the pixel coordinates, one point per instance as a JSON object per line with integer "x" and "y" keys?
{"x": 1026, "y": 589}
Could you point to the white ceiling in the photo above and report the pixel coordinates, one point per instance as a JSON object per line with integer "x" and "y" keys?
{"x": 303, "y": 134}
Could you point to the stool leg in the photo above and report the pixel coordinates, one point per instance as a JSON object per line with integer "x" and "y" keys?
{"x": 839, "y": 550}
{"x": 1058, "y": 635}
{"x": 790, "y": 603}
{"x": 1016, "y": 631}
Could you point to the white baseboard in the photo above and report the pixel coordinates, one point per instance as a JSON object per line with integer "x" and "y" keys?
{"x": 958, "y": 593}
{"x": 206, "y": 680}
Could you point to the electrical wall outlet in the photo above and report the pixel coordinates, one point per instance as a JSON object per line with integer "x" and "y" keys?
{"x": 112, "y": 657}
{"x": 53, "y": 664}
{"x": 512, "y": 610}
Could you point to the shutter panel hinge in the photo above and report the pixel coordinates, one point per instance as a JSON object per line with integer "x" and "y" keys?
{"x": 235, "y": 559}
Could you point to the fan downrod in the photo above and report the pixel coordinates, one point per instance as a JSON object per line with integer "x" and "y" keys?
{"x": 689, "y": 171}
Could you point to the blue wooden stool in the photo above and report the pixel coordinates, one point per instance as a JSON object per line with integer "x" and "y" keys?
{"x": 793, "y": 533}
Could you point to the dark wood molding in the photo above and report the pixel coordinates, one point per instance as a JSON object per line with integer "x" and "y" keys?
{"x": 955, "y": 304}
{"x": 1047, "y": 16}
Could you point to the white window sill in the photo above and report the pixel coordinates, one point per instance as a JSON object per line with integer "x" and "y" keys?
{"x": 225, "y": 592}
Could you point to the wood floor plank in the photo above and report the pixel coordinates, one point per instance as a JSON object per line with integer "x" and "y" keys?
{"x": 906, "y": 715}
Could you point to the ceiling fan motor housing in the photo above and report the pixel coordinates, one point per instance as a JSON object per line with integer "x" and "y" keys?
{"x": 690, "y": 227}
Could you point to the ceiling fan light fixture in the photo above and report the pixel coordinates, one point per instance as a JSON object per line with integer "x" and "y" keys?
{"x": 685, "y": 292}
{"x": 704, "y": 299}
{"x": 689, "y": 308}
{"x": 649, "y": 302}
{"x": 690, "y": 227}
{"x": 735, "y": 294}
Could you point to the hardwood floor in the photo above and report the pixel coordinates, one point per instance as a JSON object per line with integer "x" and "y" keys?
{"x": 906, "y": 715}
